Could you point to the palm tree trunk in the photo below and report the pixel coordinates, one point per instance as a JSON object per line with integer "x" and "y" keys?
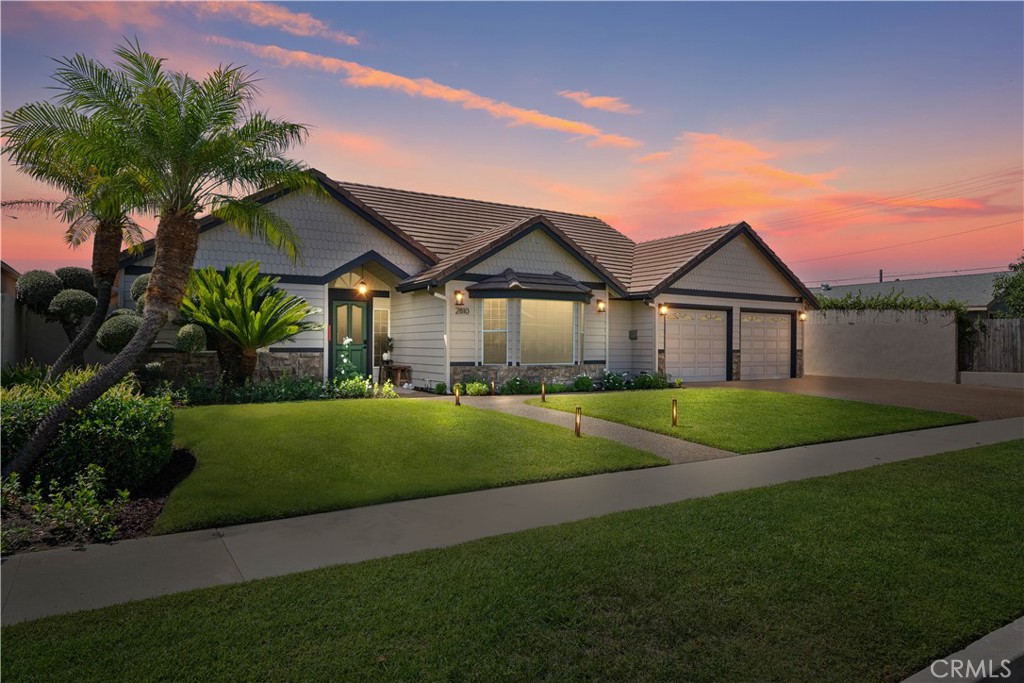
{"x": 229, "y": 356}
{"x": 106, "y": 250}
{"x": 177, "y": 238}
{"x": 248, "y": 366}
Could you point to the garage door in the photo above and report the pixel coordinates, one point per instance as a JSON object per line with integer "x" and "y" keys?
{"x": 695, "y": 344}
{"x": 765, "y": 345}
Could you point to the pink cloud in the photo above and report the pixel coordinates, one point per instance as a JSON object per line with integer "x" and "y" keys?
{"x": 114, "y": 15}
{"x": 361, "y": 76}
{"x": 275, "y": 16}
{"x": 604, "y": 103}
{"x": 368, "y": 149}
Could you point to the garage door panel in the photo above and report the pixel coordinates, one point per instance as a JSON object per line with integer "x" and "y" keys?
{"x": 765, "y": 345}
{"x": 696, "y": 344}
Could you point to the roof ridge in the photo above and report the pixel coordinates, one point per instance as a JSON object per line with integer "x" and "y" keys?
{"x": 687, "y": 234}
{"x": 474, "y": 201}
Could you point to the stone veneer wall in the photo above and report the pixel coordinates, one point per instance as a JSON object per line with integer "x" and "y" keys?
{"x": 736, "y": 364}
{"x": 180, "y": 366}
{"x": 561, "y": 374}
{"x": 799, "y": 363}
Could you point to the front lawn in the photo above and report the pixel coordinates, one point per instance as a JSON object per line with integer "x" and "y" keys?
{"x": 749, "y": 421}
{"x": 257, "y": 462}
{"x": 862, "y": 576}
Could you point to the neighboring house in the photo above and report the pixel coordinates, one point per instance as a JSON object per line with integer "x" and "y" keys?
{"x": 975, "y": 291}
{"x": 12, "y": 342}
{"x": 476, "y": 289}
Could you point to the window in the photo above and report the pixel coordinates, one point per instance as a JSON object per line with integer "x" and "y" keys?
{"x": 547, "y": 331}
{"x": 381, "y": 331}
{"x": 495, "y": 331}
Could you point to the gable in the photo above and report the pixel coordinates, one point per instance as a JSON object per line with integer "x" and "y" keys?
{"x": 536, "y": 252}
{"x": 330, "y": 234}
{"x": 738, "y": 266}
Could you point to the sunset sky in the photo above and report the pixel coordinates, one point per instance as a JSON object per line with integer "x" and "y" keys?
{"x": 836, "y": 130}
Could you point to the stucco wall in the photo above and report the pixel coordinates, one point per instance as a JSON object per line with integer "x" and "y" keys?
{"x": 905, "y": 345}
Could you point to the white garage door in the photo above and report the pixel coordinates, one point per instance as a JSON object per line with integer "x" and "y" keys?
{"x": 765, "y": 345}
{"x": 695, "y": 344}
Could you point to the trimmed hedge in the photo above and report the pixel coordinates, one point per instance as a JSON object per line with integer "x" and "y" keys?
{"x": 36, "y": 289}
{"x": 116, "y": 331}
{"x": 127, "y": 434}
{"x": 75, "y": 277}
{"x": 72, "y": 305}
{"x": 191, "y": 338}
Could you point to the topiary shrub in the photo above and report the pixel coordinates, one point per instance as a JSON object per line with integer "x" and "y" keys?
{"x": 36, "y": 289}
{"x": 191, "y": 338}
{"x": 123, "y": 311}
{"x": 115, "y": 333}
{"x": 127, "y": 434}
{"x": 75, "y": 277}
{"x": 139, "y": 287}
{"x": 72, "y": 305}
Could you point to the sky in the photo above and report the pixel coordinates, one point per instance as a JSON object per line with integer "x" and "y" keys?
{"x": 853, "y": 137}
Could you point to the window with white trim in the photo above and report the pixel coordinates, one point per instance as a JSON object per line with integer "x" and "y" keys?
{"x": 495, "y": 331}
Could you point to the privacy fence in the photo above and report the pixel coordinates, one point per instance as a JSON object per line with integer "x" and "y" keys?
{"x": 997, "y": 347}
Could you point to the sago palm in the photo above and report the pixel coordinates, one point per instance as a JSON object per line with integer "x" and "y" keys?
{"x": 243, "y": 312}
{"x": 188, "y": 146}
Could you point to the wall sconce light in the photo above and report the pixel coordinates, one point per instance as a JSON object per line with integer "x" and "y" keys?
{"x": 600, "y": 305}
{"x": 803, "y": 315}
{"x": 459, "y": 297}
{"x": 362, "y": 288}
{"x": 663, "y": 309}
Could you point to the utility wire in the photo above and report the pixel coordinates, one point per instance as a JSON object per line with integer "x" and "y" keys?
{"x": 868, "y": 278}
{"x": 904, "y": 244}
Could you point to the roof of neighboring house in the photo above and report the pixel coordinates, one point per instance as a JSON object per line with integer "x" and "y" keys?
{"x": 510, "y": 280}
{"x": 974, "y": 290}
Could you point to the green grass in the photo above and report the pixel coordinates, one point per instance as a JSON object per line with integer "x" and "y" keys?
{"x": 748, "y": 421}
{"x": 267, "y": 461}
{"x": 862, "y": 576}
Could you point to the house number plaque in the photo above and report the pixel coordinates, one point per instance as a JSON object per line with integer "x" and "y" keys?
{"x": 462, "y": 310}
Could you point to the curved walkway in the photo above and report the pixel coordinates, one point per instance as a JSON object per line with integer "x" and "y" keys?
{"x": 57, "y": 581}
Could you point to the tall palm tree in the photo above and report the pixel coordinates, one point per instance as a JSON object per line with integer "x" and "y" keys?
{"x": 188, "y": 146}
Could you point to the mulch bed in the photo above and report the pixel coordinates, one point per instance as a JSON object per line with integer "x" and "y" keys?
{"x": 135, "y": 520}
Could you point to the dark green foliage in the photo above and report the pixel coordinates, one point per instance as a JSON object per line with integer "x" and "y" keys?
{"x": 127, "y": 434}
{"x": 75, "y": 277}
{"x": 115, "y": 332}
{"x": 646, "y": 381}
{"x": 25, "y": 372}
{"x": 1008, "y": 290}
{"x": 36, "y": 290}
{"x": 441, "y": 388}
{"x": 123, "y": 311}
{"x": 191, "y": 338}
{"x": 72, "y": 305}
{"x": 518, "y": 385}
{"x": 288, "y": 388}
{"x": 613, "y": 381}
{"x": 583, "y": 383}
{"x": 151, "y": 376}
{"x": 891, "y": 301}
{"x": 477, "y": 388}
{"x": 139, "y": 286}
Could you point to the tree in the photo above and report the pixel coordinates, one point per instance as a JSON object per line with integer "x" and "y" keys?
{"x": 243, "y": 311}
{"x": 1008, "y": 289}
{"x": 66, "y": 297}
{"x": 187, "y": 146}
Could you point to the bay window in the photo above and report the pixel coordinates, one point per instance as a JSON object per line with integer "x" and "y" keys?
{"x": 547, "y": 332}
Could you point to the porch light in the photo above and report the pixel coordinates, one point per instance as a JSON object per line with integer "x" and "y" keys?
{"x": 362, "y": 288}
{"x": 803, "y": 315}
{"x": 458, "y": 297}
{"x": 600, "y": 306}
{"x": 663, "y": 309}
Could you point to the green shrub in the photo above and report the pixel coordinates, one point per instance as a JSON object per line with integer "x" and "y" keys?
{"x": 71, "y": 305}
{"x": 478, "y": 388}
{"x": 36, "y": 290}
{"x": 558, "y": 388}
{"x": 191, "y": 338}
{"x": 75, "y": 277}
{"x": 518, "y": 385}
{"x": 139, "y": 286}
{"x": 288, "y": 388}
{"x": 25, "y": 372}
{"x": 441, "y": 388}
{"x": 115, "y": 332}
{"x": 583, "y": 383}
{"x": 646, "y": 381}
{"x": 613, "y": 381}
{"x": 123, "y": 311}
{"x": 127, "y": 434}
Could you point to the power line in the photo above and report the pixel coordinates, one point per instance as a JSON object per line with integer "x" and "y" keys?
{"x": 868, "y": 278}
{"x": 904, "y": 244}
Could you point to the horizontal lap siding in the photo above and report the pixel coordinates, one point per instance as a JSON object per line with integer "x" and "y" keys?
{"x": 314, "y": 296}
{"x": 620, "y": 348}
{"x": 463, "y": 328}
{"x": 417, "y": 326}
{"x": 594, "y": 331}
{"x": 535, "y": 253}
{"x": 644, "y": 349}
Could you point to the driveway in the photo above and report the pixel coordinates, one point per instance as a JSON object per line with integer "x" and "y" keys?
{"x": 984, "y": 403}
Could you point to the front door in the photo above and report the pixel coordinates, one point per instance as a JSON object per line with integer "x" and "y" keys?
{"x": 348, "y": 320}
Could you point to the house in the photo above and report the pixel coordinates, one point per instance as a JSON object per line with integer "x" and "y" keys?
{"x": 974, "y": 290}
{"x": 469, "y": 288}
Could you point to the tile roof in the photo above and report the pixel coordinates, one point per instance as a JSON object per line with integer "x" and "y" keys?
{"x": 531, "y": 282}
{"x": 658, "y": 259}
{"x": 974, "y": 290}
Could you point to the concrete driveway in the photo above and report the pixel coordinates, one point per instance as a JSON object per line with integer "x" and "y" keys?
{"x": 984, "y": 403}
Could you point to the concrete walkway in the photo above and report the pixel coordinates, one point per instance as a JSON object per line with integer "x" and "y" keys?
{"x": 57, "y": 581}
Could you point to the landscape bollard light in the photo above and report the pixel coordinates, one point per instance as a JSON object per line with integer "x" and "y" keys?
{"x": 543, "y": 392}
{"x": 579, "y": 419}
{"x": 457, "y": 401}
{"x": 675, "y": 413}
{"x": 492, "y": 388}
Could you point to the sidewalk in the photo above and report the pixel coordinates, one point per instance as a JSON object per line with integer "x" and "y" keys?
{"x": 57, "y": 581}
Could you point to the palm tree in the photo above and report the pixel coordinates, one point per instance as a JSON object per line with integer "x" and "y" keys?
{"x": 243, "y": 311}
{"x": 187, "y": 146}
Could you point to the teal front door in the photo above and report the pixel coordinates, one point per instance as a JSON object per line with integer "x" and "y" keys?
{"x": 348, "y": 320}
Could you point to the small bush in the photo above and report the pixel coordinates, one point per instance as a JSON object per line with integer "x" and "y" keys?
{"x": 127, "y": 434}
{"x": 288, "y": 388}
{"x": 115, "y": 333}
{"x": 25, "y": 372}
{"x": 191, "y": 338}
{"x": 645, "y": 381}
{"x": 558, "y": 388}
{"x": 478, "y": 388}
{"x": 583, "y": 383}
{"x": 75, "y": 277}
{"x": 518, "y": 385}
{"x": 613, "y": 381}
{"x": 71, "y": 305}
{"x": 440, "y": 388}
{"x": 36, "y": 290}
{"x": 123, "y": 311}
{"x": 139, "y": 287}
